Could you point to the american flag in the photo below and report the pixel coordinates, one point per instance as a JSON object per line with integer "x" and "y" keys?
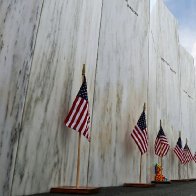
{"x": 161, "y": 144}
{"x": 194, "y": 158}
{"x": 187, "y": 154}
{"x": 178, "y": 150}
{"x": 140, "y": 135}
{"x": 79, "y": 116}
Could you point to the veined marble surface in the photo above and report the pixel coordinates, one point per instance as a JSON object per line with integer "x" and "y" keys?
{"x": 172, "y": 65}
{"x": 18, "y": 28}
{"x": 123, "y": 53}
{"x": 188, "y": 104}
{"x": 131, "y": 58}
{"x": 67, "y": 38}
{"x": 187, "y": 70}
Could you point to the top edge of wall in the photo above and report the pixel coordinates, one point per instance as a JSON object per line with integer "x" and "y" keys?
{"x": 161, "y": 6}
{"x": 189, "y": 55}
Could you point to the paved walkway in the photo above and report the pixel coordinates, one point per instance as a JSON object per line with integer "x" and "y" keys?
{"x": 174, "y": 189}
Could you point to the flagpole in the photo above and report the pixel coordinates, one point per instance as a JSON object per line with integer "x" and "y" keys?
{"x": 79, "y": 144}
{"x": 140, "y": 168}
{"x": 78, "y": 163}
{"x": 82, "y": 94}
{"x": 141, "y": 127}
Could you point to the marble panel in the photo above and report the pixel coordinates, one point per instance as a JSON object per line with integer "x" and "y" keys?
{"x": 167, "y": 35}
{"x": 164, "y": 62}
{"x": 187, "y": 70}
{"x": 19, "y": 22}
{"x": 188, "y": 107}
{"x": 175, "y": 90}
{"x": 152, "y": 101}
{"x": 120, "y": 92}
{"x": 67, "y": 38}
{"x": 168, "y": 110}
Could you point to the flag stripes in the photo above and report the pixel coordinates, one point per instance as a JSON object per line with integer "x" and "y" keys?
{"x": 187, "y": 154}
{"x": 194, "y": 158}
{"x": 139, "y": 134}
{"x": 79, "y": 117}
{"x": 178, "y": 150}
{"x": 161, "y": 144}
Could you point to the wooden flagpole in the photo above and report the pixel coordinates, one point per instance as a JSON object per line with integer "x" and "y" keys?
{"x": 79, "y": 142}
{"x": 76, "y": 189}
{"x": 140, "y": 168}
{"x": 161, "y": 165}
{"x": 180, "y": 177}
{"x": 78, "y": 163}
{"x": 141, "y": 185}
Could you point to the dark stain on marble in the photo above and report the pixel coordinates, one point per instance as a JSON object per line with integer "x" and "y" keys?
{"x": 131, "y": 8}
{"x": 1, "y": 42}
{"x": 7, "y": 12}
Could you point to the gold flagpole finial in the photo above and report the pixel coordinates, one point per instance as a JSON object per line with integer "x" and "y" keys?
{"x": 83, "y": 70}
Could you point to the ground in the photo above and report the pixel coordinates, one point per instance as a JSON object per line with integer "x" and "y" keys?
{"x": 174, "y": 189}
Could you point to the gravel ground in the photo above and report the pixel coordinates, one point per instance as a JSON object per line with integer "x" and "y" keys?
{"x": 174, "y": 189}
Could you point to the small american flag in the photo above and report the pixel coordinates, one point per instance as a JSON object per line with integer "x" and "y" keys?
{"x": 194, "y": 158}
{"x": 140, "y": 135}
{"x": 79, "y": 116}
{"x": 161, "y": 144}
{"x": 178, "y": 150}
{"x": 187, "y": 154}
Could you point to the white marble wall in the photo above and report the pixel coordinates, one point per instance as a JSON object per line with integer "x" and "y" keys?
{"x": 18, "y": 28}
{"x": 175, "y": 86}
{"x": 164, "y": 44}
{"x": 188, "y": 105}
{"x": 120, "y": 92}
{"x": 67, "y": 38}
{"x": 131, "y": 58}
{"x": 52, "y": 88}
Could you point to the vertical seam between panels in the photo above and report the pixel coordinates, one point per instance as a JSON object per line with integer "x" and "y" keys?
{"x": 94, "y": 89}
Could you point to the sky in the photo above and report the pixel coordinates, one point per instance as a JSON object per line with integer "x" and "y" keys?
{"x": 185, "y": 12}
